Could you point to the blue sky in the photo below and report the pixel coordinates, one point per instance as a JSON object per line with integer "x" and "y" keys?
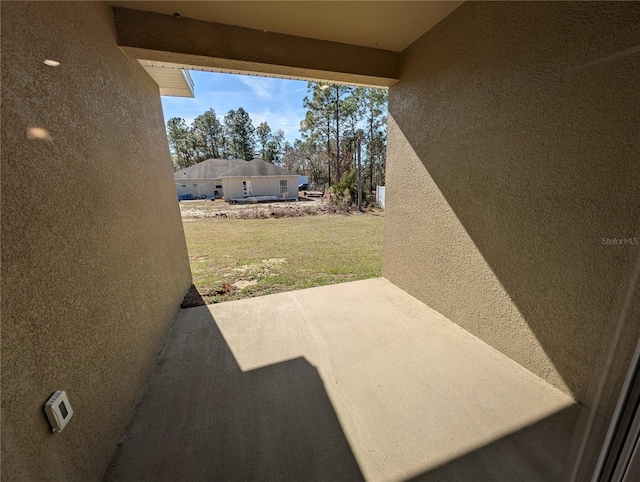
{"x": 276, "y": 101}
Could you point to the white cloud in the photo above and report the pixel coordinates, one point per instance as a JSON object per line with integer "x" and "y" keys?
{"x": 262, "y": 87}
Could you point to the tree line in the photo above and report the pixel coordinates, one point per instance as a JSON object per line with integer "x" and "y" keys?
{"x": 235, "y": 137}
{"x": 338, "y": 119}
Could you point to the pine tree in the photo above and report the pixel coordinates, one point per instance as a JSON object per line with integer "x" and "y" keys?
{"x": 275, "y": 148}
{"x": 209, "y": 135}
{"x": 263, "y": 134}
{"x": 181, "y": 143}
{"x": 240, "y": 134}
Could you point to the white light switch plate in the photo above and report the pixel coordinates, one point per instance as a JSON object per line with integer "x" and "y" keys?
{"x": 58, "y": 410}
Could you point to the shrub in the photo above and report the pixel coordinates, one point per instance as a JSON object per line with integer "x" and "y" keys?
{"x": 344, "y": 193}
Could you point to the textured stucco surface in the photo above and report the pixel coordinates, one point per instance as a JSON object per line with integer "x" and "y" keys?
{"x": 513, "y": 150}
{"x": 153, "y": 36}
{"x": 94, "y": 261}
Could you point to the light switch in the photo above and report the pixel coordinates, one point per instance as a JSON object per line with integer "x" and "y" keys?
{"x": 58, "y": 410}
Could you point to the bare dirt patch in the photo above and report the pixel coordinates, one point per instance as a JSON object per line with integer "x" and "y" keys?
{"x": 221, "y": 209}
{"x": 306, "y": 206}
{"x": 243, "y": 283}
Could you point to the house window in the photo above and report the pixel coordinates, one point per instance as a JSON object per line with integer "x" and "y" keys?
{"x": 195, "y": 185}
{"x": 283, "y": 186}
{"x": 246, "y": 188}
{"x": 184, "y": 185}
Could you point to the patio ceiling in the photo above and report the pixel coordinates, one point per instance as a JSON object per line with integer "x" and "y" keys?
{"x": 384, "y": 25}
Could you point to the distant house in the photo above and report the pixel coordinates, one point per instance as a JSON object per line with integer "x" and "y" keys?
{"x": 260, "y": 180}
{"x": 202, "y": 180}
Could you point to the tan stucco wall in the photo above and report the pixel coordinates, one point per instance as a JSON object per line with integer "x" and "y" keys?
{"x": 94, "y": 263}
{"x": 513, "y": 150}
{"x": 260, "y": 186}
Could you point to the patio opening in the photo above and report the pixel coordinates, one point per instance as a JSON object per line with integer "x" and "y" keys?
{"x": 278, "y": 182}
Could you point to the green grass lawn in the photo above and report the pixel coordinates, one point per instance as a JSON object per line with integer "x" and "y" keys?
{"x": 240, "y": 258}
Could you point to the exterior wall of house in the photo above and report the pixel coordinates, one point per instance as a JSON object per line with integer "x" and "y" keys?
{"x": 202, "y": 187}
{"x": 512, "y": 159}
{"x": 260, "y": 186}
{"x": 94, "y": 261}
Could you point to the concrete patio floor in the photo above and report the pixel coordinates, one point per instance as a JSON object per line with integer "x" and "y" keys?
{"x": 344, "y": 382}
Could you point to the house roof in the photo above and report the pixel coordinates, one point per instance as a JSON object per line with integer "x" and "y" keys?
{"x": 209, "y": 169}
{"x": 258, "y": 168}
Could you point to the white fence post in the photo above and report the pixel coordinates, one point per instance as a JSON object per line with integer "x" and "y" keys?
{"x": 380, "y": 196}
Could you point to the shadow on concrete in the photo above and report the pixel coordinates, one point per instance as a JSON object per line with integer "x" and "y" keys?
{"x": 538, "y": 161}
{"x": 202, "y": 418}
{"x": 535, "y": 453}
{"x": 192, "y": 299}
